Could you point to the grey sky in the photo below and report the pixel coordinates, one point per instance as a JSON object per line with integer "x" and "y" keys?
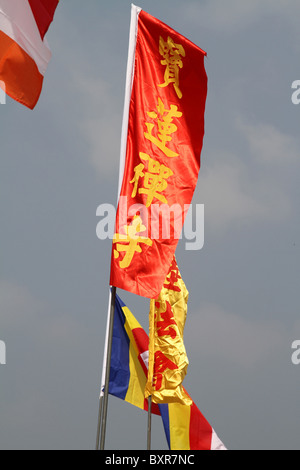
{"x": 60, "y": 162}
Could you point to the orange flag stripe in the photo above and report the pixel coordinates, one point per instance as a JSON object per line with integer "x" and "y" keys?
{"x": 24, "y": 55}
{"x": 19, "y": 72}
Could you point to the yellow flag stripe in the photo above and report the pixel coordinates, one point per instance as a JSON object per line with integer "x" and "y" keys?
{"x": 179, "y": 418}
{"x": 137, "y": 382}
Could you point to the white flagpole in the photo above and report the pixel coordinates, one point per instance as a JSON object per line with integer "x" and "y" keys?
{"x": 149, "y": 423}
{"x": 103, "y": 372}
{"x": 103, "y": 400}
{"x": 135, "y": 11}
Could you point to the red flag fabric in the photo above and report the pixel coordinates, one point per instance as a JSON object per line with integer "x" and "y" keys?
{"x": 164, "y": 140}
{"x": 43, "y": 12}
{"x": 24, "y": 53}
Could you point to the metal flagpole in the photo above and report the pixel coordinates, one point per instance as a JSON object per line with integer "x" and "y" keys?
{"x": 103, "y": 402}
{"x": 149, "y": 423}
{"x": 102, "y": 385}
{"x": 99, "y": 423}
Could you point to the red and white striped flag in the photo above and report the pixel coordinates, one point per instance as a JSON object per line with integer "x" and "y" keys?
{"x": 24, "y": 51}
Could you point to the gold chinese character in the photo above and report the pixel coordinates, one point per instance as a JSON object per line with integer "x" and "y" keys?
{"x": 165, "y": 127}
{"x": 130, "y": 244}
{"x": 172, "y": 54}
{"x": 155, "y": 179}
{"x": 138, "y": 173}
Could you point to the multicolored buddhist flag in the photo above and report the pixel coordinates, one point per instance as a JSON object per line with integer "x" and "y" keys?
{"x": 185, "y": 426}
{"x": 187, "y": 429}
{"x": 168, "y": 361}
{"x": 162, "y": 138}
{"x": 24, "y": 52}
{"x": 129, "y": 361}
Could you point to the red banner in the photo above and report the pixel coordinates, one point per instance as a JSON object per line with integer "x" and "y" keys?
{"x": 164, "y": 143}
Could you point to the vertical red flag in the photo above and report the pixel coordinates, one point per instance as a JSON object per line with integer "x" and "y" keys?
{"x": 167, "y": 88}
